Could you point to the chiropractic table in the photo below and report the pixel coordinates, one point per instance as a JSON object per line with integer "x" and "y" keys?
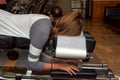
{"x": 14, "y": 51}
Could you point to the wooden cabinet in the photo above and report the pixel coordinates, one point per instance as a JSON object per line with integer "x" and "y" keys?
{"x": 98, "y": 8}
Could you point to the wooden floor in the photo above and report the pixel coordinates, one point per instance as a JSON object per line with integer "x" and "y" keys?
{"x": 108, "y": 43}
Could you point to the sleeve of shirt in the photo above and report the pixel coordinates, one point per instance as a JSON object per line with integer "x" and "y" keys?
{"x": 39, "y": 34}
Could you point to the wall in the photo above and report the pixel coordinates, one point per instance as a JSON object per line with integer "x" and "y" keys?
{"x": 65, "y": 5}
{"x": 97, "y": 7}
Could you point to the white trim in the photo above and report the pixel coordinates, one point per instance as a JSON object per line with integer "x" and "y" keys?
{"x": 29, "y": 72}
{"x": 32, "y": 59}
{"x": 34, "y": 51}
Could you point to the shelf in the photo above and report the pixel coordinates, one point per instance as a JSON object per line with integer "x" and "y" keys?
{"x": 78, "y": 5}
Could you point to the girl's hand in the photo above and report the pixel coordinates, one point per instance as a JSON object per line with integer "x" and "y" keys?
{"x": 71, "y": 69}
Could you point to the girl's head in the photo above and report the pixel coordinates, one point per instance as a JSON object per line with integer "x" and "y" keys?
{"x": 68, "y": 25}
